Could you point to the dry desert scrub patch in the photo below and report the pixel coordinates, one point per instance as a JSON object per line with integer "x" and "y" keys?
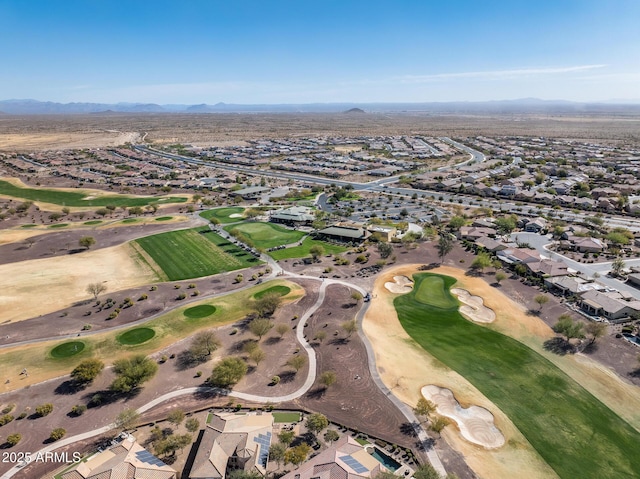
{"x": 15, "y": 235}
{"x": 407, "y": 372}
{"x": 40, "y": 286}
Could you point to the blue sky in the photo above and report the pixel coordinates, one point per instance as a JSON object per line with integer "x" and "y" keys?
{"x": 305, "y": 51}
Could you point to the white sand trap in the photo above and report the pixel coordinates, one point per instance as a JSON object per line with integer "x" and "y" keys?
{"x": 401, "y": 285}
{"x": 475, "y": 423}
{"x": 236, "y": 215}
{"x": 473, "y": 307}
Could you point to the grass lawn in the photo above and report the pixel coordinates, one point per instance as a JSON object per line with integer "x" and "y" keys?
{"x": 201, "y": 311}
{"x": 130, "y": 220}
{"x": 72, "y": 198}
{"x": 30, "y": 225}
{"x": 280, "y": 290}
{"x": 59, "y": 225}
{"x": 92, "y": 222}
{"x": 164, "y": 218}
{"x": 267, "y": 235}
{"x": 575, "y": 433}
{"x": 224, "y": 214}
{"x": 194, "y": 253}
{"x": 136, "y": 336}
{"x": 168, "y": 328}
{"x": 286, "y": 416}
{"x": 303, "y": 250}
{"x": 66, "y": 350}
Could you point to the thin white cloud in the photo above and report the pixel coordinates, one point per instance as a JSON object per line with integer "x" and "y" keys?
{"x": 498, "y": 74}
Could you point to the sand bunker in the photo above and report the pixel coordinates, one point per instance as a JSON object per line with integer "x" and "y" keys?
{"x": 236, "y": 215}
{"x": 473, "y": 307}
{"x": 401, "y": 285}
{"x": 475, "y": 423}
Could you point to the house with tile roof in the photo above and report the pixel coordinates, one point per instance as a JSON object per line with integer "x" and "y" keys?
{"x": 125, "y": 460}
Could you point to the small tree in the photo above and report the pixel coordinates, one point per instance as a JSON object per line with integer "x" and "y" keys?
{"x": 87, "y": 242}
{"x": 176, "y": 417}
{"x": 228, "y": 372}
{"x": 424, "y": 407}
{"x": 286, "y": 437}
{"x": 203, "y": 344}
{"x": 87, "y": 371}
{"x": 44, "y": 409}
{"x": 297, "y": 361}
{"x": 298, "y": 454}
{"x": 541, "y": 299}
{"x": 426, "y": 471}
{"x": 266, "y": 305}
{"x": 438, "y": 423}
{"x": 482, "y": 261}
{"x": 96, "y": 289}
{"x": 350, "y": 327}
{"x": 385, "y": 249}
{"x": 257, "y": 355}
{"x": 595, "y": 330}
{"x": 260, "y": 327}
{"x": 328, "y": 378}
{"x": 192, "y": 424}
{"x": 568, "y": 327}
{"x": 618, "y": 266}
{"x": 500, "y": 276}
{"x": 276, "y": 452}
{"x": 320, "y": 336}
{"x": 331, "y": 436}
{"x": 13, "y": 439}
{"x": 126, "y": 419}
{"x": 57, "y": 433}
{"x": 356, "y": 296}
{"x": 316, "y": 422}
{"x": 282, "y": 329}
{"x": 132, "y": 372}
{"x": 316, "y": 251}
{"x": 239, "y": 278}
{"x": 445, "y": 246}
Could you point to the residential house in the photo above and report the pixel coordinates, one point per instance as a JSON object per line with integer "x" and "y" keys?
{"x": 610, "y": 305}
{"x": 126, "y": 459}
{"x": 547, "y": 267}
{"x": 536, "y": 226}
{"x": 233, "y": 442}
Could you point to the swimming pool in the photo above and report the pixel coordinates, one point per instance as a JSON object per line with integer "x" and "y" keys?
{"x": 388, "y": 462}
{"x": 632, "y": 339}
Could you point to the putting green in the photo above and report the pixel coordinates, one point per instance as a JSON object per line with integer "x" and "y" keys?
{"x": 136, "y": 336}
{"x": 59, "y": 225}
{"x": 92, "y": 222}
{"x": 130, "y": 220}
{"x": 280, "y": 290}
{"x": 66, "y": 350}
{"x": 31, "y": 225}
{"x": 432, "y": 291}
{"x": 201, "y": 311}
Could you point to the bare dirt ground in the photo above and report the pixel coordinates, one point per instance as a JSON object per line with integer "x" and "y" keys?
{"x": 89, "y": 131}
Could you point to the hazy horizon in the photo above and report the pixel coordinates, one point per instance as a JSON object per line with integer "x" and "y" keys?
{"x": 286, "y": 52}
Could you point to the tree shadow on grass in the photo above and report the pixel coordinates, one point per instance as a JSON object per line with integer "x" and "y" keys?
{"x": 559, "y": 346}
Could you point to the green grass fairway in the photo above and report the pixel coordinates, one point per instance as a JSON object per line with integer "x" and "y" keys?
{"x": 201, "y": 311}
{"x": 30, "y": 225}
{"x": 286, "y": 416}
{"x": 130, "y": 220}
{"x": 59, "y": 225}
{"x": 280, "y": 290}
{"x": 92, "y": 222}
{"x": 164, "y": 218}
{"x": 136, "y": 336}
{"x": 194, "y": 253}
{"x": 575, "y": 433}
{"x": 303, "y": 251}
{"x": 223, "y": 215}
{"x": 66, "y": 350}
{"x": 71, "y": 198}
{"x": 432, "y": 291}
{"x": 267, "y": 235}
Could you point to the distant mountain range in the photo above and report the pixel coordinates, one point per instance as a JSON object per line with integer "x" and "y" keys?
{"x": 525, "y": 105}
